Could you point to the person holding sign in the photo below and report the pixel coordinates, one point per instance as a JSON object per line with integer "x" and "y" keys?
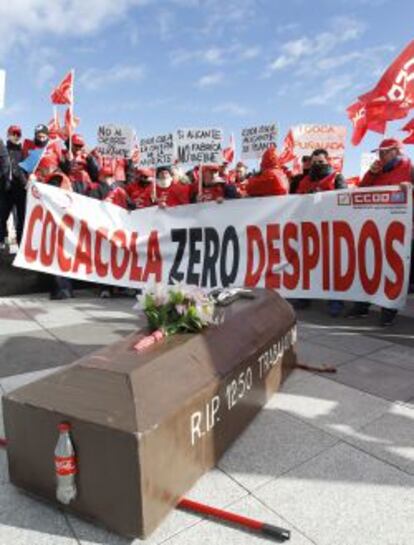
{"x": 271, "y": 180}
{"x": 214, "y": 188}
{"x": 165, "y": 192}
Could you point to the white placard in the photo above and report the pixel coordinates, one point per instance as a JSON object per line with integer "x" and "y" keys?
{"x": 156, "y": 150}
{"x": 116, "y": 140}
{"x": 197, "y": 146}
{"x": 2, "y": 88}
{"x": 256, "y": 140}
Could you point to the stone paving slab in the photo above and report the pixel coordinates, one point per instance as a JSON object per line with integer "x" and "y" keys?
{"x": 332, "y": 407}
{"x": 377, "y": 379}
{"x": 345, "y": 497}
{"x": 401, "y": 356}
{"x": 315, "y": 354}
{"x": 28, "y": 521}
{"x": 272, "y": 445}
{"x": 390, "y": 437}
{"x": 32, "y": 351}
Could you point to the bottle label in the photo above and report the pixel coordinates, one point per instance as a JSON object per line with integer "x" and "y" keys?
{"x": 65, "y": 465}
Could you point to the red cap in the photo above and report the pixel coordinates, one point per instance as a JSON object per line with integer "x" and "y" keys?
{"x": 64, "y": 426}
{"x": 14, "y": 129}
{"x": 48, "y": 161}
{"x": 77, "y": 140}
{"x": 106, "y": 170}
{"x": 389, "y": 143}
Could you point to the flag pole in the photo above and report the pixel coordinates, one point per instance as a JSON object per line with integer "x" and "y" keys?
{"x": 200, "y": 181}
{"x": 71, "y": 107}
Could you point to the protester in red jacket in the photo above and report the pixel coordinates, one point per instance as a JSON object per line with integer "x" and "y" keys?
{"x": 271, "y": 180}
{"x": 214, "y": 187}
{"x": 111, "y": 190}
{"x": 49, "y": 173}
{"x": 138, "y": 181}
{"x": 321, "y": 176}
{"x": 391, "y": 168}
{"x": 81, "y": 166}
{"x": 165, "y": 192}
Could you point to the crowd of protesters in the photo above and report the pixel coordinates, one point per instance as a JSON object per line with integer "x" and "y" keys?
{"x": 123, "y": 182}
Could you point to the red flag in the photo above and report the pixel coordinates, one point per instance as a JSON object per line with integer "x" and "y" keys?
{"x": 287, "y": 154}
{"x": 366, "y": 117}
{"x": 409, "y": 126}
{"x": 397, "y": 82}
{"x": 410, "y": 138}
{"x": 63, "y": 93}
{"x": 229, "y": 153}
{"x": 357, "y": 115}
{"x": 71, "y": 121}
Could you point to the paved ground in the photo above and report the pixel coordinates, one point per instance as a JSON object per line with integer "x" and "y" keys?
{"x": 330, "y": 457}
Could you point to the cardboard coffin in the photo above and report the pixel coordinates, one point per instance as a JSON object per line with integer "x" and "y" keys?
{"x": 147, "y": 425}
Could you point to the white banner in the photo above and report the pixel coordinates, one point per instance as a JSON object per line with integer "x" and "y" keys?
{"x": 156, "y": 150}
{"x": 2, "y": 88}
{"x": 256, "y": 140}
{"x": 196, "y": 146}
{"x": 307, "y": 138}
{"x": 116, "y": 140}
{"x": 349, "y": 245}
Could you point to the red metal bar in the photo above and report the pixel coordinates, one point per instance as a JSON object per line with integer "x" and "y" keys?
{"x": 280, "y": 534}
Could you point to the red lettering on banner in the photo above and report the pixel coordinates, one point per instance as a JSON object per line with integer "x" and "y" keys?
{"x": 30, "y": 253}
{"x": 254, "y": 237}
{"x": 118, "y": 242}
{"x": 154, "y": 260}
{"x": 83, "y": 249}
{"x": 326, "y": 256}
{"x": 48, "y": 239}
{"x": 342, "y": 281}
{"x": 291, "y": 280}
{"x": 369, "y": 231}
{"x": 65, "y": 262}
{"x": 272, "y": 279}
{"x": 395, "y": 232}
{"x": 135, "y": 272}
{"x": 310, "y": 258}
{"x": 100, "y": 267}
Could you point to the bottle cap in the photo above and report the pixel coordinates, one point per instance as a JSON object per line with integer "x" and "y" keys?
{"x": 64, "y": 426}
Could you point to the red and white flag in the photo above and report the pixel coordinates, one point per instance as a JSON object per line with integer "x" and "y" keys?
{"x": 63, "y": 93}
{"x": 397, "y": 82}
{"x": 230, "y": 151}
{"x": 71, "y": 121}
{"x": 287, "y": 153}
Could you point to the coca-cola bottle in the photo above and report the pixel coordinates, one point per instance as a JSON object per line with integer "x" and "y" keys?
{"x": 65, "y": 466}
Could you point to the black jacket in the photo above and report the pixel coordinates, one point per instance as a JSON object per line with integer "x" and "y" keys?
{"x": 17, "y": 175}
{"x": 4, "y": 168}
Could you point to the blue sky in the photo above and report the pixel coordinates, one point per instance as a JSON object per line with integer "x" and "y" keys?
{"x": 163, "y": 64}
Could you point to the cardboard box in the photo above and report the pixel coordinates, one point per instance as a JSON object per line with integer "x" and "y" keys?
{"x": 147, "y": 425}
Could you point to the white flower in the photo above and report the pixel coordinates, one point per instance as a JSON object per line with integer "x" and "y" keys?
{"x": 181, "y": 309}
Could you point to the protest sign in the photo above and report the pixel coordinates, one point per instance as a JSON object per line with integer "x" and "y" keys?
{"x": 116, "y": 140}
{"x": 2, "y": 88}
{"x": 367, "y": 158}
{"x": 348, "y": 245}
{"x": 196, "y": 146}
{"x": 256, "y": 140}
{"x": 307, "y": 138}
{"x": 156, "y": 150}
